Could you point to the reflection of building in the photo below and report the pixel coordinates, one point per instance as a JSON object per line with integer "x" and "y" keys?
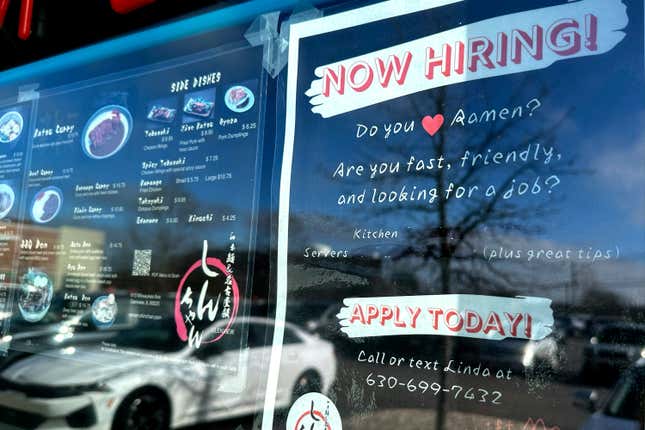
{"x": 96, "y": 239}
{"x": 48, "y": 249}
{"x": 8, "y": 238}
{"x": 59, "y": 252}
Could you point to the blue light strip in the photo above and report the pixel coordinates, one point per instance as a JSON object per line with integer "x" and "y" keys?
{"x": 144, "y": 39}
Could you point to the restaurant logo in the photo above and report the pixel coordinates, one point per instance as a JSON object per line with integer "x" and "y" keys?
{"x": 207, "y": 299}
{"x": 538, "y": 424}
{"x": 314, "y": 411}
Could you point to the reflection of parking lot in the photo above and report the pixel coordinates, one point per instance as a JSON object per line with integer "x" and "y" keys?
{"x": 369, "y": 394}
{"x": 552, "y": 402}
{"x": 143, "y": 377}
{"x": 547, "y": 399}
{"x": 378, "y": 409}
{"x": 245, "y": 423}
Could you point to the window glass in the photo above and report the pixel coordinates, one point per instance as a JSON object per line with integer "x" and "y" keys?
{"x": 624, "y": 336}
{"x": 130, "y": 241}
{"x": 461, "y": 184}
{"x": 359, "y": 214}
{"x": 290, "y": 337}
{"x": 260, "y": 335}
{"x": 627, "y": 400}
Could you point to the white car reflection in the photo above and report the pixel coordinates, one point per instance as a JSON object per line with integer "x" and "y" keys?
{"x": 100, "y": 387}
{"x": 625, "y": 407}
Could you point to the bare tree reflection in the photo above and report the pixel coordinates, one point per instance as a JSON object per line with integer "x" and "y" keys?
{"x": 448, "y": 234}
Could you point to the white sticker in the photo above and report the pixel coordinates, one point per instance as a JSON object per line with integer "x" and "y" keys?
{"x": 314, "y": 411}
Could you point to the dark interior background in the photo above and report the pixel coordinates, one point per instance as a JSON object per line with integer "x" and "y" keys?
{"x": 62, "y": 25}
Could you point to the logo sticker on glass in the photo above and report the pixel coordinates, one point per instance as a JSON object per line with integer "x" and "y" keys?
{"x": 314, "y": 411}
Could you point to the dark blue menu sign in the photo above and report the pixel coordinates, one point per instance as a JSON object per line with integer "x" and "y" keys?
{"x": 15, "y": 128}
{"x": 140, "y": 195}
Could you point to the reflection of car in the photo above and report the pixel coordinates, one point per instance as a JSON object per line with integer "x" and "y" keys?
{"x": 625, "y": 408}
{"x": 119, "y": 385}
{"x": 614, "y": 348}
{"x": 327, "y": 326}
{"x": 520, "y": 355}
{"x": 545, "y": 354}
{"x": 58, "y": 329}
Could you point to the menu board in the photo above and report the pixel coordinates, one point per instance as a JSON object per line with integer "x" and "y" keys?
{"x": 15, "y": 127}
{"x": 140, "y": 209}
{"x": 461, "y": 202}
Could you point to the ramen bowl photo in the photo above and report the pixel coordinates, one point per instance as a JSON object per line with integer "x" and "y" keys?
{"x": 11, "y": 124}
{"x": 104, "y": 311}
{"x": 7, "y": 199}
{"x": 35, "y": 295}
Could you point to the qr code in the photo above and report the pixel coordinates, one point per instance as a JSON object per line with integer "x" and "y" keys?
{"x": 141, "y": 263}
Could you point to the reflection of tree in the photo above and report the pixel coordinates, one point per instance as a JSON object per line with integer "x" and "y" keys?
{"x": 597, "y": 301}
{"x": 175, "y": 247}
{"x": 446, "y": 234}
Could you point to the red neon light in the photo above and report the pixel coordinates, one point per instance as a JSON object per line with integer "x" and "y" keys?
{"x": 127, "y": 6}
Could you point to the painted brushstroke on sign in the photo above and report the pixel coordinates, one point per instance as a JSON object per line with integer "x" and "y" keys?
{"x": 504, "y": 45}
{"x": 462, "y": 315}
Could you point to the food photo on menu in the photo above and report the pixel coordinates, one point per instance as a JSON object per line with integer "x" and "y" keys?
{"x": 162, "y": 111}
{"x": 134, "y": 262}
{"x": 198, "y": 105}
{"x": 345, "y": 214}
{"x": 107, "y": 131}
{"x": 11, "y": 125}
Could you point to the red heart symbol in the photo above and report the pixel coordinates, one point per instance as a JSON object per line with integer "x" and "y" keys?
{"x": 432, "y": 125}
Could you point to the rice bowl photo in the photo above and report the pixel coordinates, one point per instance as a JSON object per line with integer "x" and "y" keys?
{"x": 106, "y": 132}
{"x": 46, "y": 204}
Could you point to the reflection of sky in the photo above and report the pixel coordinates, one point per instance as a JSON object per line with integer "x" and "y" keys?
{"x": 600, "y": 98}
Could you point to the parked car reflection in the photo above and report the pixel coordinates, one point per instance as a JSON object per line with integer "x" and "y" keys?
{"x": 145, "y": 378}
{"x": 625, "y": 407}
{"x": 613, "y": 348}
{"x": 58, "y": 330}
